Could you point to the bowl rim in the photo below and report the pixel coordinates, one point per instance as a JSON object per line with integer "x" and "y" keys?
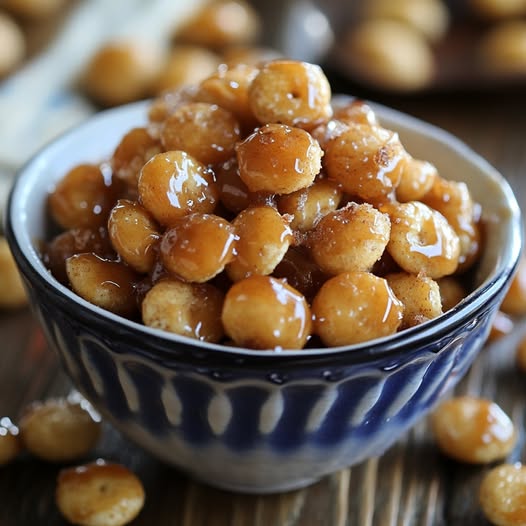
{"x": 30, "y": 263}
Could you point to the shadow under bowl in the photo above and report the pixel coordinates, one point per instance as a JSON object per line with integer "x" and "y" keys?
{"x": 260, "y": 421}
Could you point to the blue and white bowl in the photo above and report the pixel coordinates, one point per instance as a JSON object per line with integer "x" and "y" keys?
{"x": 255, "y": 421}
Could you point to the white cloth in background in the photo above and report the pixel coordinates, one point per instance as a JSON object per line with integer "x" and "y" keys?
{"x": 39, "y": 102}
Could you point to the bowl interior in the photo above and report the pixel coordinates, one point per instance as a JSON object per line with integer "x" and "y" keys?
{"x": 96, "y": 139}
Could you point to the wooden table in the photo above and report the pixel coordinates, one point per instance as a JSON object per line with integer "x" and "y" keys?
{"x": 412, "y": 484}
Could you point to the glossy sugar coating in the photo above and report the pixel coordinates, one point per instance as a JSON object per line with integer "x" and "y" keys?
{"x": 354, "y": 307}
{"x": 99, "y": 494}
{"x": 251, "y": 172}
{"x": 198, "y": 247}
{"x": 76, "y": 241}
{"x": 453, "y": 200}
{"x": 233, "y": 192}
{"x": 134, "y": 234}
{"x": 270, "y": 421}
{"x": 365, "y": 161}
{"x": 345, "y": 115}
{"x": 166, "y": 103}
{"x": 309, "y": 205}
{"x": 417, "y": 178}
{"x": 228, "y": 88}
{"x": 278, "y": 159}
{"x": 291, "y": 92}
{"x": 173, "y": 184}
{"x": 356, "y": 111}
{"x": 422, "y": 240}
{"x": 106, "y": 283}
{"x": 502, "y": 495}
{"x": 300, "y": 271}
{"x": 58, "y": 430}
{"x": 419, "y": 294}
{"x": 83, "y": 198}
{"x": 473, "y": 430}
{"x": 262, "y": 312}
{"x": 235, "y": 411}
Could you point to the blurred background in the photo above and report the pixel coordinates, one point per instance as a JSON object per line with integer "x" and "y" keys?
{"x": 61, "y": 60}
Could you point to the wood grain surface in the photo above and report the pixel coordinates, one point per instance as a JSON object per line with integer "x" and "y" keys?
{"x": 411, "y": 485}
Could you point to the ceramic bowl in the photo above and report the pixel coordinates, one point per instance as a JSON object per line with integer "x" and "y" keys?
{"x": 260, "y": 421}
